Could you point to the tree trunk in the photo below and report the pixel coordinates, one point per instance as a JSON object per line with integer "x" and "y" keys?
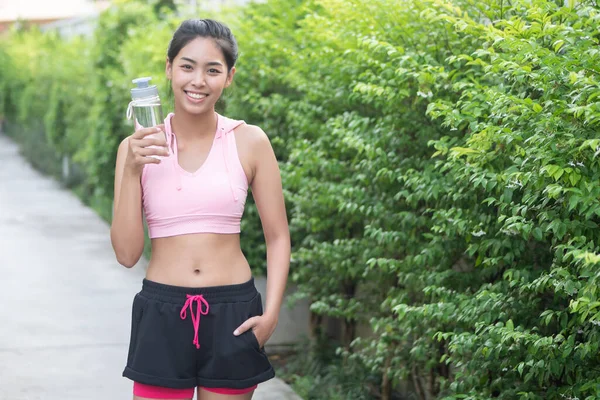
{"x": 417, "y": 384}
{"x": 348, "y": 333}
{"x": 349, "y": 325}
{"x": 386, "y": 387}
{"x": 316, "y": 326}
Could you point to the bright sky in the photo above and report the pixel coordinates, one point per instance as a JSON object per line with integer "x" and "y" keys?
{"x": 11, "y": 10}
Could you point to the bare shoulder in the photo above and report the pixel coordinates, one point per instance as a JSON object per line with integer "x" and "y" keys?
{"x": 251, "y": 137}
{"x": 254, "y": 148}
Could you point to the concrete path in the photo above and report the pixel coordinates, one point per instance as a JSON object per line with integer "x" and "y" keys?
{"x": 65, "y": 303}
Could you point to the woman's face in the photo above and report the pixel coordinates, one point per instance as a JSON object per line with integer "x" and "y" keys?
{"x": 198, "y": 76}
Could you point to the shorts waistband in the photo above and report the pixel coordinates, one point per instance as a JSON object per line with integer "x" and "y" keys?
{"x": 214, "y": 294}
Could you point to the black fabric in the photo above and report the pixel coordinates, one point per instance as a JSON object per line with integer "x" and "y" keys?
{"x": 161, "y": 351}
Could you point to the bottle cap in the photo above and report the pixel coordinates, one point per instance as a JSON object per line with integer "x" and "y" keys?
{"x": 143, "y": 89}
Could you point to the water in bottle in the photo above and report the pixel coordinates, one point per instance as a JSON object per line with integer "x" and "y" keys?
{"x": 145, "y": 107}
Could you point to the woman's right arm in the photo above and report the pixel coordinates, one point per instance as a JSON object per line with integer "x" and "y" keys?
{"x": 127, "y": 228}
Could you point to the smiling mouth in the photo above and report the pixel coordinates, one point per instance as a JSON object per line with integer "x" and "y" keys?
{"x": 196, "y": 96}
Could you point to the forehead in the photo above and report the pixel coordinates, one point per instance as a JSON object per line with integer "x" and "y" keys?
{"x": 202, "y": 49}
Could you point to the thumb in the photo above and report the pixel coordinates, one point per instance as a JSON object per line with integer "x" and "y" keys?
{"x": 248, "y": 324}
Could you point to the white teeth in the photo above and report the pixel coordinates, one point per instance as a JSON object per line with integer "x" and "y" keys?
{"x": 196, "y": 95}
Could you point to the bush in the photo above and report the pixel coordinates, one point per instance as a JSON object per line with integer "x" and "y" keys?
{"x": 454, "y": 144}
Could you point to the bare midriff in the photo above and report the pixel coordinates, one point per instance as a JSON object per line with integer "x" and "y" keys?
{"x": 198, "y": 260}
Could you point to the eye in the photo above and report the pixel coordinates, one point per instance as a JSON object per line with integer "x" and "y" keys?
{"x": 214, "y": 71}
{"x": 187, "y": 67}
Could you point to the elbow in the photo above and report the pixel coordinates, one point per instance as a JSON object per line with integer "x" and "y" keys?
{"x": 127, "y": 260}
{"x": 128, "y": 257}
{"x": 129, "y": 254}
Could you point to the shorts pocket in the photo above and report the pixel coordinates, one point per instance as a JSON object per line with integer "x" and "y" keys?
{"x": 254, "y": 340}
{"x": 237, "y": 358}
{"x": 256, "y": 309}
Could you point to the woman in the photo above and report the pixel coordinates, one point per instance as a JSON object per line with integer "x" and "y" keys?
{"x": 198, "y": 320}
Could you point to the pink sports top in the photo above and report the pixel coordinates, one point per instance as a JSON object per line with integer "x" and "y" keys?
{"x": 210, "y": 200}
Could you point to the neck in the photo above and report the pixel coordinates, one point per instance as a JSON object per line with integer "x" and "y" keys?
{"x": 190, "y": 127}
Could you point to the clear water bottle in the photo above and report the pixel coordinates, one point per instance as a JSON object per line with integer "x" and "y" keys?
{"x": 145, "y": 107}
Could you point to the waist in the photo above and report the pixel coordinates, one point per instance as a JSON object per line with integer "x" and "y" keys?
{"x": 198, "y": 260}
{"x": 213, "y": 294}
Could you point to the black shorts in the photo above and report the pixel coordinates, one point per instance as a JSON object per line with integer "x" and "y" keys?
{"x": 183, "y": 337}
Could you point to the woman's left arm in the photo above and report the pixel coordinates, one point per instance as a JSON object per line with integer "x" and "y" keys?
{"x": 268, "y": 196}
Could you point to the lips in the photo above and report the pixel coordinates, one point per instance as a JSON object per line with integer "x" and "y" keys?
{"x": 195, "y": 95}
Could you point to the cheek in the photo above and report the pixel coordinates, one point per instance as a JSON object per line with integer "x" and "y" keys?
{"x": 177, "y": 81}
{"x": 219, "y": 83}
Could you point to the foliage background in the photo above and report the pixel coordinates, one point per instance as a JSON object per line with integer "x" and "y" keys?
{"x": 440, "y": 163}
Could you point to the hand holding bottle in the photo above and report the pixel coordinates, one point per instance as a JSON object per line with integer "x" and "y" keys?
{"x": 146, "y": 146}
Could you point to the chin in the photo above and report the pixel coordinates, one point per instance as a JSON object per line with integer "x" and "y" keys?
{"x": 196, "y": 109}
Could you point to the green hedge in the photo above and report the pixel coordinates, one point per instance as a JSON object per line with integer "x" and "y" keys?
{"x": 440, "y": 163}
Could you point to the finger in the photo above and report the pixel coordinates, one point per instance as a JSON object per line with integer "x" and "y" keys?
{"x": 149, "y": 142}
{"x": 150, "y": 160}
{"x": 248, "y": 324}
{"x": 141, "y": 133}
{"x": 152, "y": 151}
{"x": 141, "y": 160}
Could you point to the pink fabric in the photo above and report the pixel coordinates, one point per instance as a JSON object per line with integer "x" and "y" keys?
{"x": 230, "y": 391}
{"x": 158, "y": 392}
{"x": 199, "y": 299}
{"x": 209, "y": 200}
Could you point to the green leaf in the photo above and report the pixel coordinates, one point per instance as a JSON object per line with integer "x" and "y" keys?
{"x": 509, "y": 325}
{"x": 558, "y": 45}
{"x": 520, "y": 368}
{"x": 567, "y": 351}
{"x": 573, "y": 77}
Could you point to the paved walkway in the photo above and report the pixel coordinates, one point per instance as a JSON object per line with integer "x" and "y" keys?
{"x": 65, "y": 303}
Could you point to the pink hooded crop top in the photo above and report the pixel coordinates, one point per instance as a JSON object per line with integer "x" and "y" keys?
{"x": 209, "y": 200}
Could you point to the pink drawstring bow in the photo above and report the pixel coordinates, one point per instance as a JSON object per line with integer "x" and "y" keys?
{"x": 199, "y": 299}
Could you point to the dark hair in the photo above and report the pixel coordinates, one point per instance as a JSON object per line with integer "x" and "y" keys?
{"x": 192, "y": 28}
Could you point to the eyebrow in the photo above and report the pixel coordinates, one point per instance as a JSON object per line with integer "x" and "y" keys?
{"x": 216, "y": 63}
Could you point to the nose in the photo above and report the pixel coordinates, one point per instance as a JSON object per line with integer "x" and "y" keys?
{"x": 198, "y": 79}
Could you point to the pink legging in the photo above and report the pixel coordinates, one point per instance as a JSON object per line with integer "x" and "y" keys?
{"x": 158, "y": 392}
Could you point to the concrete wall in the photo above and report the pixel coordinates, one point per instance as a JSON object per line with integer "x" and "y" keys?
{"x": 67, "y": 28}
{"x": 6, "y": 25}
{"x": 86, "y": 24}
{"x": 294, "y": 321}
